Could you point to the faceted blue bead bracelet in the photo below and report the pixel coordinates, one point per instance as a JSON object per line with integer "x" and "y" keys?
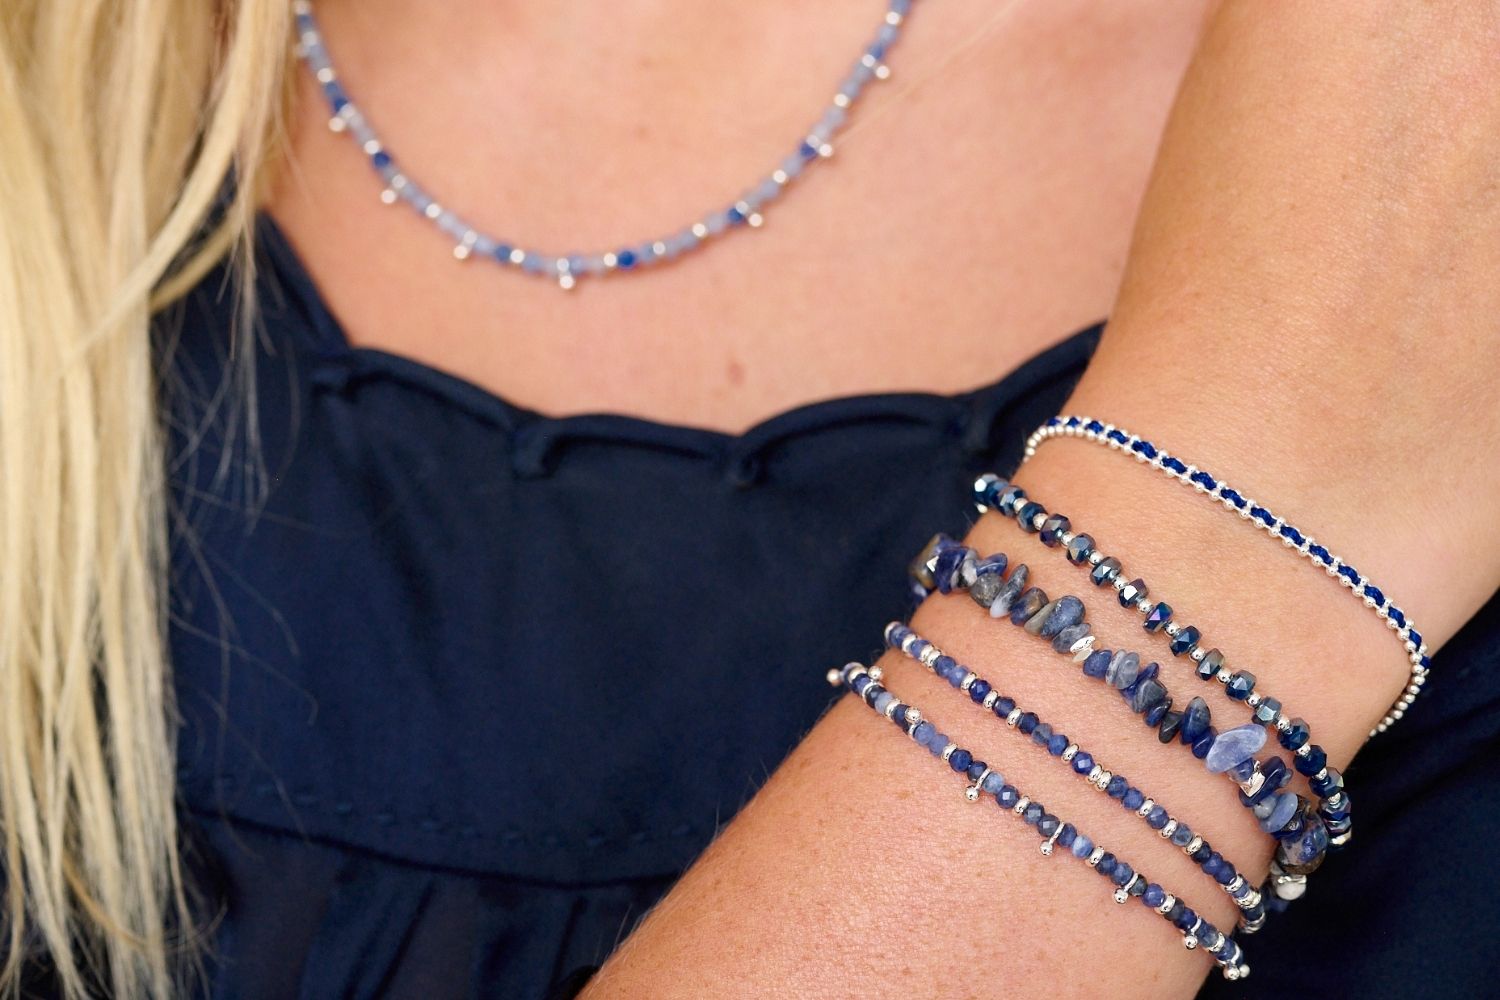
{"x": 1082, "y": 763}
{"x": 1129, "y": 883}
{"x": 1300, "y": 832}
{"x": 1259, "y": 515}
{"x": 1056, "y": 531}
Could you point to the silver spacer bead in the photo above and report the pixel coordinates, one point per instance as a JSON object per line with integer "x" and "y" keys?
{"x": 1013, "y": 718}
{"x": 1167, "y": 904}
{"x": 1096, "y": 857}
{"x": 1070, "y": 753}
{"x": 1169, "y": 829}
{"x": 1021, "y": 804}
{"x": 1146, "y": 807}
{"x": 948, "y": 751}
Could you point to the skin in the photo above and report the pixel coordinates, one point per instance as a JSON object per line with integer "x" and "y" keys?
{"x": 1307, "y": 307}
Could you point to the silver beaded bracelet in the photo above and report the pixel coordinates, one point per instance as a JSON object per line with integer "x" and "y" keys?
{"x": 1257, "y": 514}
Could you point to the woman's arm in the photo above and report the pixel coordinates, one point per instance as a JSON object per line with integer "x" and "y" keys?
{"x": 1310, "y": 308}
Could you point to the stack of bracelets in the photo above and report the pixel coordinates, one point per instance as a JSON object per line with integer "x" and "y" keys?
{"x": 1303, "y": 830}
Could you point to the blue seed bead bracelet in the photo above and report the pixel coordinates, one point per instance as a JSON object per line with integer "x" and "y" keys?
{"x": 1082, "y": 763}
{"x": 1196, "y": 932}
{"x": 1301, "y": 833}
{"x": 1056, "y": 531}
{"x": 1259, "y": 515}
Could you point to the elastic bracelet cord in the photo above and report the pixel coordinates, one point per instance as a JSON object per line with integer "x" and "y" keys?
{"x": 1259, "y": 515}
{"x": 1027, "y": 724}
{"x": 1301, "y": 834}
{"x": 1225, "y": 951}
{"x": 1056, "y": 532}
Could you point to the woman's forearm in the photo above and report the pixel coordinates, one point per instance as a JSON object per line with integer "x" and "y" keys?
{"x": 1310, "y": 308}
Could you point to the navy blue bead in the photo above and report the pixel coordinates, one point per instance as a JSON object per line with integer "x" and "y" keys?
{"x": 1067, "y": 835}
{"x": 1157, "y": 712}
{"x": 1166, "y": 730}
{"x": 1313, "y": 762}
{"x": 1008, "y": 796}
{"x": 1155, "y": 896}
{"x": 1057, "y": 744}
{"x": 1184, "y": 641}
{"x": 1132, "y": 798}
{"x": 807, "y": 150}
{"x": 1203, "y": 744}
{"x": 1004, "y": 706}
{"x": 625, "y": 259}
{"x": 1122, "y": 873}
{"x": 1083, "y": 763}
{"x": 1327, "y": 785}
{"x": 1183, "y": 919}
{"x": 975, "y": 769}
{"x": 1349, "y": 573}
{"x": 979, "y": 689}
{"x": 1415, "y": 637}
{"x": 1320, "y": 553}
{"x": 1105, "y": 571}
{"x": 1053, "y": 529}
{"x": 1033, "y": 813}
{"x": 1233, "y": 497}
{"x": 1147, "y": 695}
{"x": 1240, "y": 685}
{"x": 1157, "y": 616}
{"x": 1093, "y": 427}
{"x": 381, "y": 158}
{"x": 1067, "y": 611}
{"x": 1274, "y": 777}
{"x": 960, "y": 760}
{"x": 898, "y": 716}
{"x": 1117, "y": 436}
{"x": 502, "y": 252}
{"x": 734, "y": 215}
{"x": 1213, "y": 864}
{"x": 1047, "y": 825}
{"x": 1195, "y": 719}
{"x": 1106, "y": 864}
{"x": 1262, "y": 515}
{"x": 1097, "y": 663}
{"x": 1291, "y": 534}
{"x": 1144, "y": 447}
{"x": 1027, "y": 722}
{"x": 1168, "y": 462}
{"x": 1156, "y": 818}
{"x": 1117, "y": 787}
{"x": 1226, "y": 874}
{"x": 1027, "y": 515}
{"x": 1203, "y": 853}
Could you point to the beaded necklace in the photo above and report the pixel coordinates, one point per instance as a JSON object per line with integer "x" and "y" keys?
{"x": 567, "y": 268}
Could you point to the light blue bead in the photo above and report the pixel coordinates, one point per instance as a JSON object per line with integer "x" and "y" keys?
{"x": 793, "y": 164}
{"x": 1234, "y": 746}
{"x": 1082, "y": 847}
{"x": 883, "y": 701}
{"x": 938, "y": 742}
{"x": 1123, "y": 669}
{"x": 1278, "y": 811}
{"x": 993, "y": 782}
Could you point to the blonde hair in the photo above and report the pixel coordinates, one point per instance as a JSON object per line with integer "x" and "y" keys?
{"x": 122, "y": 123}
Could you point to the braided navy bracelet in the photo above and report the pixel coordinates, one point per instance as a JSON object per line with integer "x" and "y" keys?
{"x": 1226, "y": 952}
{"x": 1056, "y": 531}
{"x": 1260, "y": 516}
{"x": 1027, "y": 724}
{"x": 1300, "y": 831}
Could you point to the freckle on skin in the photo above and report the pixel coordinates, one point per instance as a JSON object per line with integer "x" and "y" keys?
{"x": 736, "y": 373}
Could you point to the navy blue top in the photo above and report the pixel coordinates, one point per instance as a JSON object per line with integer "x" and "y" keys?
{"x": 464, "y": 688}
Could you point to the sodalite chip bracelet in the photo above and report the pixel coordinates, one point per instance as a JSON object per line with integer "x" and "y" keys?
{"x": 1056, "y": 531}
{"x": 1041, "y": 734}
{"x": 1300, "y": 831}
{"x": 1259, "y": 515}
{"x": 1196, "y": 932}
{"x": 567, "y": 269}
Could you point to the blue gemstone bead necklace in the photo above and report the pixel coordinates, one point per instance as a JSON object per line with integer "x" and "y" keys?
{"x": 567, "y": 269}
